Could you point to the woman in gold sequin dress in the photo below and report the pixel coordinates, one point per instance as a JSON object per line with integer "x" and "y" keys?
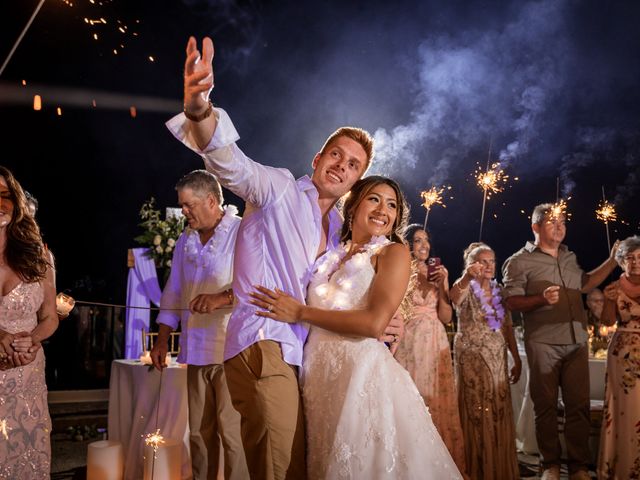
{"x": 480, "y": 347}
{"x": 27, "y": 316}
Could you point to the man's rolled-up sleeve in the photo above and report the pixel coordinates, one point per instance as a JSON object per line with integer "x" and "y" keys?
{"x": 255, "y": 183}
{"x": 514, "y": 278}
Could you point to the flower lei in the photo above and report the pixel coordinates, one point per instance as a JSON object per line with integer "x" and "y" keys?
{"x": 494, "y": 312}
{"x": 326, "y": 265}
{"x": 204, "y": 256}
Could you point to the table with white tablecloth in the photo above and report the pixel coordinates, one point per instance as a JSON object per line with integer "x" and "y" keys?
{"x": 134, "y": 399}
{"x": 523, "y": 405}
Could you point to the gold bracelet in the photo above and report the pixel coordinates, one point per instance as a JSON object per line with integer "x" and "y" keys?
{"x": 202, "y": 116}
{"x": 230, "y": 296}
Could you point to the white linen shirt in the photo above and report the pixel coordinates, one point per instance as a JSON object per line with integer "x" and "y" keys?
{"x": 196, "y": 269}
{"x": 277, "y": 241}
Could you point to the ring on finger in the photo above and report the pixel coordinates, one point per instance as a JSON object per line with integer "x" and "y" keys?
{"x": 270, "y": 307}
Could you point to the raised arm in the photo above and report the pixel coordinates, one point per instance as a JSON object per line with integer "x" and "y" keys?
{"x": 598, "y": 275}
{"x": 460, "y": 288}
{"x": 386, "y": 293}
{"x": 211, "y": 134}
{"x": 441, "y": 279}
{"x": 198, "y": 83}
{"x": 610, "y": 308}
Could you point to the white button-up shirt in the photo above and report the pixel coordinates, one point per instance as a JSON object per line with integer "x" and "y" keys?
{"x": 278, "y": 238}
{"x": 196, "y": 269}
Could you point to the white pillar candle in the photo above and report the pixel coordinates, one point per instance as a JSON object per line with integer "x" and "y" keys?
{"x": 168, "y": 461}
{"x": 105, "y": 460}
{"x": 146, "y": 358}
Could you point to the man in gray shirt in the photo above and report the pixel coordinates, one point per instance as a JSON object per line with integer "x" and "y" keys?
{"x": 544, "y": 281}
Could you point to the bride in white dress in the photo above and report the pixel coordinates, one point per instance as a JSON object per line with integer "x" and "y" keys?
{"x": 365, "y": 419}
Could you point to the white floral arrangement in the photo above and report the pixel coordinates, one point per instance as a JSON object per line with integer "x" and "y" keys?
{"x": 159, "y": 235}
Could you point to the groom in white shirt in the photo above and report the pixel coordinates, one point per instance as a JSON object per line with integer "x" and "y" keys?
{"x": 287, "y": 224}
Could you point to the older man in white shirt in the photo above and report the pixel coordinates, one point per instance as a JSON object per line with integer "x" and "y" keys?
{"x": 198, "y": 296}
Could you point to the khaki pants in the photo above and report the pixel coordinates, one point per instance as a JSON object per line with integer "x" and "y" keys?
{"x": 567, "y": 367}
{"x": 212, "y": 418}
{"x": 264, "y": 389}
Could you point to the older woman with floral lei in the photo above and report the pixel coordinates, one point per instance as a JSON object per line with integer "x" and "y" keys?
{"x": 620, "y": 436}
{"x": 484, "y": 334}
{"x": 424, "y": 349}
{"x": 27, "y": 316}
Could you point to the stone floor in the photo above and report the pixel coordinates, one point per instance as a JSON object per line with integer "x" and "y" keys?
{"x": 70, "y": 456}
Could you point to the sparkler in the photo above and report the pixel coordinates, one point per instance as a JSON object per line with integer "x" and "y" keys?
{"x": 24, "y": 31}
{"x": 155, "y": 439}
{"x": 432, "y": 197}
{"x": 607, "y": 213}
{"x": 491, "y": 181}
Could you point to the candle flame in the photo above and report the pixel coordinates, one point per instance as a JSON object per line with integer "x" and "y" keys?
{"x": 154, "y": 440}
{"x": 492, "y": 180}
{"x": 606, "y": 212}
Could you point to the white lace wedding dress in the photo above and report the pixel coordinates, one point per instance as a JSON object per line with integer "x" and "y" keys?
{"x": 364, "y": 416}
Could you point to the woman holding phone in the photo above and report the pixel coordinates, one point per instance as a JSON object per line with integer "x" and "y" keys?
{"x": 424, "y": 349}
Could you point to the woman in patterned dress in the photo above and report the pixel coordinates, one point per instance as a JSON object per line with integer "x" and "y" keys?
{"x": 484, "y": 334}
{"x": 620, "y": 436}
{"x": 424, "y": 349}
{"x": 27, "y": 316}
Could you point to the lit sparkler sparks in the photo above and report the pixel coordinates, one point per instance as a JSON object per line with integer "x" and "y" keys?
{"x": 559, "y": 209}
{"x": 4, "y": 428}
{"x": 606, "y": 212}
{"x": 432, "y": 197}
{"x": 492, "y": 180}
{"x": 154, "y": 440}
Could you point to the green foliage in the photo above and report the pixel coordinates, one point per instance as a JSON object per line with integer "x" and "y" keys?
{"x": 159, "y": 235}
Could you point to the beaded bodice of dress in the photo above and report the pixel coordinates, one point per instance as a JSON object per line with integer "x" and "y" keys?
{"x": 343, "y": 287}
{"x": 19, "y": 308}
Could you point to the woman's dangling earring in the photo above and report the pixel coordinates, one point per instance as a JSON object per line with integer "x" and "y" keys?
{"x": 350, "y": 223}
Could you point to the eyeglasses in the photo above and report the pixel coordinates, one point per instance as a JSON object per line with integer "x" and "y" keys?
{"x": 632, "y": 258}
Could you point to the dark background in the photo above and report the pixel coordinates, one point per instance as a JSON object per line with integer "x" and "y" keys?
{"x": 552, "y": 86}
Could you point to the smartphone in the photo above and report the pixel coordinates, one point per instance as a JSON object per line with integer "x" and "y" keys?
{"x": 432, "y": 264}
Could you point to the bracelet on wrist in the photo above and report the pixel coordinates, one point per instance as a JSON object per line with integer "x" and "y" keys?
{"x": 230, "y": 296}
{"x": 202, "y": 116}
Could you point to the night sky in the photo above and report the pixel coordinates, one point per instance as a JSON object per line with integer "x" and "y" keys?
{"x": 550, "y": 86}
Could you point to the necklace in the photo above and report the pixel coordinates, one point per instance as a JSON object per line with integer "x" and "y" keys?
{"x": 493, "y": 310}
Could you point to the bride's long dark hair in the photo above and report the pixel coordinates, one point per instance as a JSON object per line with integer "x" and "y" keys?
{"x": 359, "y": 191}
